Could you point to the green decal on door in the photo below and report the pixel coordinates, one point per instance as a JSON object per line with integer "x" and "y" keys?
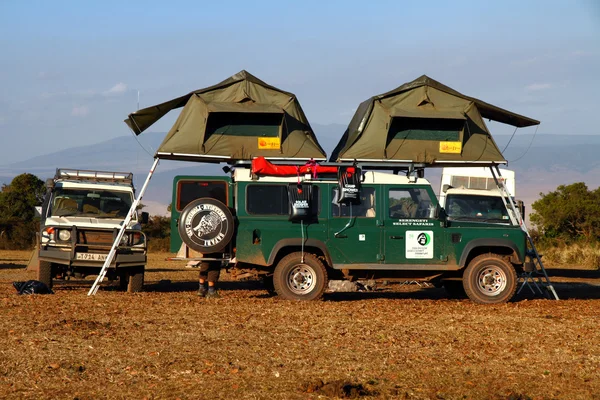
{"x": 419, "y": 244}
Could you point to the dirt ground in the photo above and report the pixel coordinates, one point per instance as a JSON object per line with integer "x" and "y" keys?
{"x": 405, "y": 342}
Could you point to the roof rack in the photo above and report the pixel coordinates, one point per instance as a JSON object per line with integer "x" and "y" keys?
{"x": 94, "y": 176}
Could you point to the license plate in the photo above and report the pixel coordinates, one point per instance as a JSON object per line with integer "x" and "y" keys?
{"x": 90, "y": 256}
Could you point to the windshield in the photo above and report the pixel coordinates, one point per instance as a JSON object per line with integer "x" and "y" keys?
{"x": 90, "y": 203}
{"x": 476, "y": 208}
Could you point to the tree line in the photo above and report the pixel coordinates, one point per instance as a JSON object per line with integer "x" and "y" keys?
{"x": 570, "y": 214}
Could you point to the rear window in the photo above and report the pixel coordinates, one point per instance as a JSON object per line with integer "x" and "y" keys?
{"x": 188, "y": 191}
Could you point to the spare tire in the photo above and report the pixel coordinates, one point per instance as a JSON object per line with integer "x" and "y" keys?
{"x": 206, "y": 225}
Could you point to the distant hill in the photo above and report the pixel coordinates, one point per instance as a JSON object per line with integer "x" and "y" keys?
{"x": 541, "y": 165}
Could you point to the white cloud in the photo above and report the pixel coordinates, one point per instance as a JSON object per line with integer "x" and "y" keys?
{"x": 347, "y": 112}
{"x": 117, "y": 89}
{"x": 525, "y": 62}
{"x": 47, "y": 75}
{"x": 80, "y": 111}
{"x": 581, "y": 53}
{"x": 538, "y": 86}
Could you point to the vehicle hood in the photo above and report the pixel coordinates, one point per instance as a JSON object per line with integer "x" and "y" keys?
{"x": 87, "y": 222}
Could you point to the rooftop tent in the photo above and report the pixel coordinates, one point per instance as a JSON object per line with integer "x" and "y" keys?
{"x": 238, "y": 119}
{"x": 424, "y": 121}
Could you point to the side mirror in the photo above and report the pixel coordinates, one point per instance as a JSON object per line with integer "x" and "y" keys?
{"x": 50, "y": 183}
{"x": 144, "y": 217}
{"x": 442, "y": 216}
{"x": 38, "y": 211}
{"x": 521, "y": 207}
{"x": 446, "y": 187}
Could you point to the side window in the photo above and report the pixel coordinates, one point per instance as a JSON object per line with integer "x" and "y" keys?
{"x": 267, "y": 200}
{"x": 409, "y": 203}
{"x": 366, "y": 208}
{"x": 188, "y": 191}
{"x": 273, "y": 199}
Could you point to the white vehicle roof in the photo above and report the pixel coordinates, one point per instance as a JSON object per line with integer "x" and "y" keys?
{"x": 474, "y": 192}
{"x": 95, "y": 186}
{"x": 478, "y": 172}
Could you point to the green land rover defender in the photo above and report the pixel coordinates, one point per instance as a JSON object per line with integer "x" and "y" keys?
{"x": 296, "y": 232}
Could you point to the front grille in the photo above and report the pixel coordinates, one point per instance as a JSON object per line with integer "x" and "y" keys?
{"x": 95, "y": 237}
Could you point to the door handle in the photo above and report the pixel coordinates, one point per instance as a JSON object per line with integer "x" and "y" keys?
{"x": 396, "y": 237}
{"x": 341, "y": 236}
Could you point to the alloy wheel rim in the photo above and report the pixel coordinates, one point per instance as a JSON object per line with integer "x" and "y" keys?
{"x": 491, "y": 281}
{"x": 301, "y": 279}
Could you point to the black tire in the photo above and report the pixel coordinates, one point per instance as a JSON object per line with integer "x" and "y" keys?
{"x": 218, "y": 227}
{"x": 455, "y": 289}
{"x": 267, "y": 282}
{"x": 297, "y": 280}
{"x": 135, "y": 281}
{"x": 490, "y": 279}
{"x": 44, "y": 273}
{"x": 123, "y": 280}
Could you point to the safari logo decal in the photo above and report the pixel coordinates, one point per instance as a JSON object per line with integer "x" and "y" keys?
{"x": 419, "y": 245}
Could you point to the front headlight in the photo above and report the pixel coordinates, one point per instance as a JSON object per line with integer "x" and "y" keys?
{"x": 137, "y": 238}
{"x": 64, "y": 235}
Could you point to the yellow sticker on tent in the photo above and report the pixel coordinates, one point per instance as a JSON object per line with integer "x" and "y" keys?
{"x": 451, "y": 147}
{"x": 269, "y": 143}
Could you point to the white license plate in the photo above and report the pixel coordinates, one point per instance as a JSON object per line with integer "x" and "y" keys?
{"x": 90, "y": 256}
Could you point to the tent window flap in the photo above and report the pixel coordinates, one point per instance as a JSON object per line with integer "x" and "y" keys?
{"x": 244, "y": 124}
{"x": 436, "y": 129}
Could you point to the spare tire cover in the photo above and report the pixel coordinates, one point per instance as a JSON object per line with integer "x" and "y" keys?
{"x": 206, "y": 225}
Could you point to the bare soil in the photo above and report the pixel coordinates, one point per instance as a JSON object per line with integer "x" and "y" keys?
{"x": 405, "y": 342}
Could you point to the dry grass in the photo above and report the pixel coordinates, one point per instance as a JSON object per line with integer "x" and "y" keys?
{"x": 401, "y": 343}
{"x": 575, "y": 254}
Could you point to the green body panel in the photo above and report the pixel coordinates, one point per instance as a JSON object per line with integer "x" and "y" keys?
{"x": 472, "y": 231}
{"x": 175, "y": 213}
{"x": 360, "y": 241}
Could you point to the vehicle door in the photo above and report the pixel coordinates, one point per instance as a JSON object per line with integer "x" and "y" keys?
{"x": 355, "y": 230}
{"x": 412, "y": 232}
{"x": 189, "y": 188}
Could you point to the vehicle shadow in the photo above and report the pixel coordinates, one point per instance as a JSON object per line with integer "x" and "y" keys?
{"x": 574, "y": 273}
{"x": 564, "y": 290}
{"x": 167, "y": 286}
{"x": 13, "y": 266}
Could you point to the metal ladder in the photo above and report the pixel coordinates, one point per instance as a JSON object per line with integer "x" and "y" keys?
{"x": 119, "y": 236}
{"x": 534, "y": 274}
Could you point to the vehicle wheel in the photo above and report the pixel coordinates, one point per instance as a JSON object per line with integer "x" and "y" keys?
{"x": 297, "y": 280}
{"x": 123, "y": 280}
{"x": 135, "y": 279}
{"x": 267, "y": 282}
{"x": 455, "y": 289}
{"x": 206, "y": 225}
{"x": 489, "y": 279}
{"x": 44, "y": 273}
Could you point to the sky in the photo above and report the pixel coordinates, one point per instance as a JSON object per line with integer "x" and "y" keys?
{"x": 71, "y": 71}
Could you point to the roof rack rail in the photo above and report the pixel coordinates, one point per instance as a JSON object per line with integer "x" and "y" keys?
{"x": 94, "y": 176}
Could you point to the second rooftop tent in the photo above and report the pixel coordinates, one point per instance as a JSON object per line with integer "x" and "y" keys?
{"x": 424, "y": 121}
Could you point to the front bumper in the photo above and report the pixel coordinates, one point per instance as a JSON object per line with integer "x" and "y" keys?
{"x": 58, "y": 256}
{"x": 93, "y": 242}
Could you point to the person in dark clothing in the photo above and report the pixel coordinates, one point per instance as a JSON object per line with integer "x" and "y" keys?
{"x": 209, "y": 272}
